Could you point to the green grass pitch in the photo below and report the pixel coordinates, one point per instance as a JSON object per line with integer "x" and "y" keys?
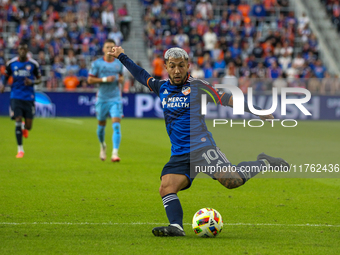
{"x": 61, "y": 199}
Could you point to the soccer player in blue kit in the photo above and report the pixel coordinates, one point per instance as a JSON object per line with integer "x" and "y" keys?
{"x": 107, "y": 72}
{"x": 26, "y": 73}
{"x": 190, "y": 139}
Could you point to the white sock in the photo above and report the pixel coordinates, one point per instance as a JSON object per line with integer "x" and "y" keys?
{"x": 102, "y": 145}
{"x": 22, "y": 125}
{"x": 115, "y": 152}
{"x": 20, "y": 148}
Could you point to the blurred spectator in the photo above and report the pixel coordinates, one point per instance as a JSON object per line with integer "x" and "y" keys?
{"x": 285, "y": 61}
{"x": 244, "y": 83}
{"x": 71, "y": 81}
{"x": 125, "y": 20}
{"x": 292, "y": 73}
{"x": 108, "y": 18}
{"x": 58, "y": 68}
{"x": 71, "y": 61}
{"x": 158, "y": 66}
{"x": 156, "y": 8}
{"x": 33, "y": 47}
{"x": 2, "y": 43}
{"x": 203, "y": 9}
{"x": 299, "y": 61}
{"x": 244, "y": 8}
{"x": 208, "y": 70}
{"x": 116, "y": 35}
{"x": 82, "y": 6}
{"x": 42, "y": 60}
{"x": 280, "y": 83}
{"x": 313, "y": 84}
{"x": 244, "y": 71}
{"x": 69, "y": 6}
{"x": 260, "y": 71}
{"x": 181, "y": 38}
{"x": 258, "y": 9}
{"x": 274, "y": 71}
{"x": 52, "y": 82}
{"x": 319, "y": 69}
{"x": 219, "y": 66}
{"x": 209, "y": 39}
{"x": 303, "y": 21}
{"x": 197, "y": 72}
{"x": 328, "y": 85}
{"x": 258, "y": 50}
{"x": 83, "y": 73}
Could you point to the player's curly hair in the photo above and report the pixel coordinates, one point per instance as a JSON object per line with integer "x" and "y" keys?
{"x": 175, "y": 53}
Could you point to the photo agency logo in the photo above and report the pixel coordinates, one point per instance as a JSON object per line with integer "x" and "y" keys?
{"x": 239, "y": 105}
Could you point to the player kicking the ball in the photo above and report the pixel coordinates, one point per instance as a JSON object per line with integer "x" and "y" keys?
{"x": 191, "y": 141}
{"x": 26, "y": 73}
{"x": 107, "y": 72}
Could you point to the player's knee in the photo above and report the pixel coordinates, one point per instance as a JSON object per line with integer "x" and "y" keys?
{"x": 166, "y": 189}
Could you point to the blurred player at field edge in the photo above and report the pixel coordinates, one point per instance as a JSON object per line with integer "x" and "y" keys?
{"x": 107, "y": 72}
{"x": 24, "y": 70}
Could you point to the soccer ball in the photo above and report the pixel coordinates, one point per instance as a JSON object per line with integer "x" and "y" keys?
{"x": 207, "y": 222}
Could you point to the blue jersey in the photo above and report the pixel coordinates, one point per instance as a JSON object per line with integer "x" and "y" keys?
{"x": 182, "y": 108}
{"x": 19, "y": 71}
{"x": 108, "y": 91}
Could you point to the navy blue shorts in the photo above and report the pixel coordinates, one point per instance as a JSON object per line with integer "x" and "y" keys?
{"x": 22, "y": 108}
{"x": 187, "y": 163}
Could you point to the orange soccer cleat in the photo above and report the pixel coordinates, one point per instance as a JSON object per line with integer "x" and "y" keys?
{"x": 20, "y": 154}
{"x": 25, "y": 133}
{"x": 115, "y": 159}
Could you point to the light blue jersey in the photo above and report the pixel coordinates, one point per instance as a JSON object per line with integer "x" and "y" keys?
{"x": 108, "y": 91}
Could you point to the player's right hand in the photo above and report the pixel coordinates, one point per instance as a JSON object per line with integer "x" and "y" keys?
{"x": 2, "y": 88}
{"x": 116, "y": 51}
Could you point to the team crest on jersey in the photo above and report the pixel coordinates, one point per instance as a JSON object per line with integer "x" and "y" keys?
{"x": 203, "y": 139}
{"x": 28, "y": 67}
{"x": 186, "y": 90}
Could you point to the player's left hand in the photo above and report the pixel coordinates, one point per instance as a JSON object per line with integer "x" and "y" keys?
{"x": 267, "y": 117}
{"x": 121, "y": 79}
{"x": 28, "y": 82}
{"x": 116, "y": 51}
{"x": 2, "y": 88}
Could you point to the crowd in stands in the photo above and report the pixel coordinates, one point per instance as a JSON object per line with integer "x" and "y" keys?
{"x": 64, "y": 36}
{"x": 242, "y": 39}
{"x": 333, "y": 10}
{"x": 260, "y": 39}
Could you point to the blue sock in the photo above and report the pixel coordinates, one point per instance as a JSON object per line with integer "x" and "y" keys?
{"x": 248, "y": 169}
{"x": 116, "y": 135}
{"x": 173, "y": 209}
{"x": 101, "y": 133}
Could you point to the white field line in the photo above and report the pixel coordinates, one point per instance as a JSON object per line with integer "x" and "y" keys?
{"x": 164, "y": 224}
{"x": 69, "y": 120}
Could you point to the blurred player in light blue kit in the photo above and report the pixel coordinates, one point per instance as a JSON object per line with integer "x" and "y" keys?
{"x": 107, "y": 72}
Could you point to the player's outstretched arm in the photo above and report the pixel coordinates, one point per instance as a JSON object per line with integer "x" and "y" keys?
{"x": 139, "y": 73}
{"x": 226, "y": 99}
